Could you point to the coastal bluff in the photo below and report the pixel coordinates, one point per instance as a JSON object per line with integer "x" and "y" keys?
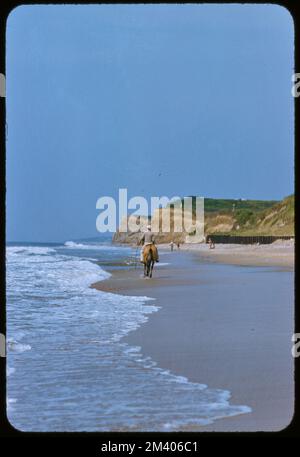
{"x": 237, "y": 217}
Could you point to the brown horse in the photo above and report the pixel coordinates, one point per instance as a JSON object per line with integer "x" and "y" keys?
{"x": 150, "y": 256}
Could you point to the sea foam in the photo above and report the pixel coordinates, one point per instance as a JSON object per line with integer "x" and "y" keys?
{"x": 65, "y": 342}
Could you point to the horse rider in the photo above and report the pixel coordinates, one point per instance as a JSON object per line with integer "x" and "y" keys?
{"x": 148, "y": 239}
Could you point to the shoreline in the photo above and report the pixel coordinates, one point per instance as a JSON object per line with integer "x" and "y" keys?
{"x": 227, "y": 347}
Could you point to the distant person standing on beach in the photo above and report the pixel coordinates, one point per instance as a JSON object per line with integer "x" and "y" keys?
{"x": 178, "y": 245}
{"x": 211, "y": 244}
{"x": 172, "y": 245}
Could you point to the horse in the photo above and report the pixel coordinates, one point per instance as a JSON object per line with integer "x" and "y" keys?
{"x": 149, "y": 260}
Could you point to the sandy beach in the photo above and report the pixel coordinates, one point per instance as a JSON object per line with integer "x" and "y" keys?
{"x": 223, "y": 321}
{"x": 280, "y": 253}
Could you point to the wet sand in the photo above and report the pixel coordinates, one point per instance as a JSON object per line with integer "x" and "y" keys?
{"x": 223, "y": 325}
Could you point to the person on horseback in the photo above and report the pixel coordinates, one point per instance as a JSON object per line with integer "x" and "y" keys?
{"x": 148, "y": 239}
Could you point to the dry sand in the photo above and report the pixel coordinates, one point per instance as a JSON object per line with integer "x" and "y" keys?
{"x": 225, "y": 326}
{"x": 279, "y": 253}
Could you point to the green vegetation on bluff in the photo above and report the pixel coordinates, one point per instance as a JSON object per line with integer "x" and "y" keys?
{"x": 229, "y": 205}
{"x": 250, "y": 217}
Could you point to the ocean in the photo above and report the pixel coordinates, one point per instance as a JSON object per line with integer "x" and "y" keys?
{"x": 67, "y": 366}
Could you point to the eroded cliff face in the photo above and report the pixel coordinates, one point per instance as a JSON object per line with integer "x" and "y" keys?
{"x": 133, "y": 238}
{"x": 167, "y": 225}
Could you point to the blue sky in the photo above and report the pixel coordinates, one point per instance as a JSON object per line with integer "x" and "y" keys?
{"x": 162, "y": 100}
